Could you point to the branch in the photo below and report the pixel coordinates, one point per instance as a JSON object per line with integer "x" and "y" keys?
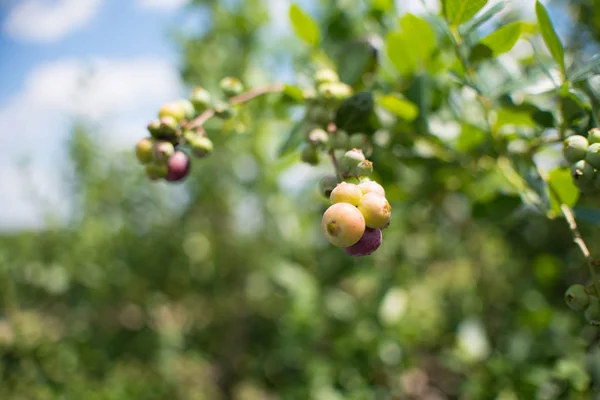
{"x": 242, "y": 98}
{"x": 577, "y": 238}
{"x": 332, "y": 129}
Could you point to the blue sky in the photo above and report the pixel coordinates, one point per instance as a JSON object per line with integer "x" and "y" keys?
{"x": 93, "y": 59}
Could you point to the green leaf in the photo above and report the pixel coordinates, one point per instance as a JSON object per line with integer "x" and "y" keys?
{"x": 397, "y": 48}
{"x": 514, "y": 116}
{"x": 305, "y": 27}
{"x": 293, "y": 141}
{"x": 587, "y": 214}
{"x": 355, "y": 59}
{"x": 460, "y": 11}
{"x": 470, "y": 138}
{"x": 481, "y": 19}
{"x": 412, "y": 47}
{"x": 403, "y": 108}
{"x": 293, "y": 92}
{"x": 421, "y": 36}
{"x": 383, "y": 5}
{"x": 561, "y": 181}
{"x": 550, "y": 37}
{"x": 500, "y": 41}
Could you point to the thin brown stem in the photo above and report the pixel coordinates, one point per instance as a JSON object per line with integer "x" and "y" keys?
{"x": 331, "y": 130}
{"x": 576, "y": 234}
{"x": 242, "y": 98}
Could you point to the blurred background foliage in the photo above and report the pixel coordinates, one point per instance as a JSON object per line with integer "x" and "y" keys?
{"x": 224, "y": 288}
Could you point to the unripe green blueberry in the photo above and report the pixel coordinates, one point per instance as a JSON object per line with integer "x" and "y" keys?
{"x": 163, "y": 150}
{"x": 318, "y": 138}
{"x": 155, "y": 128}
{"x": 327, "y": 184}
{"x": 144, "y": 150}
{"x": 168, "y": 127}
{"x": 346, "y": 193}
{"x": 224, "y": 111}
{"x": 593, "y": 136}
{"x": 173, "y": 110}
{"x": 365, "y": 168}
{"x": 343, "y": 225}
{"x": 371, "y": 187}
{"x": 231, "y": 86}
{"x": 201, "y": 146}
{"x": 574, "y": 148}
{"x": 592, "y": 312}
{"x": 361, "y": 141}
{"x": 586, "y": 186}
{"x": 376, "y": 210}
{"x": 319, "y": 115}
{"x": 576, "y": 297}
{"x": 201, "y": 99}
{"x": 368, "y": 243}
{"x": 334, "y": 91}
{"x": 592, "y": 155}
{"x": 188, "y": 108}
{"x": 350, "y": 161}
{"x": 582, "y": 172}
{"x": 310, "y": 155}
{"x": 156, "y": 170}
{"x": 325, "y": 75}
{"x": 178, "y": 167}
{"x": 339, "y": 140}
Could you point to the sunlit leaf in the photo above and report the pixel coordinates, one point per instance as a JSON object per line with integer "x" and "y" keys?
{"x": 549, "y": 35}
{"x": 304, "y": 25}
{"x": 500, "y": 41}
{"x": 562, "y": 183}
{"x": 460, "y": 11}
{"x": 481, "y": 19}
{"x": 403, "y": 108}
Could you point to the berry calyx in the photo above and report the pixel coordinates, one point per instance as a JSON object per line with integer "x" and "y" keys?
{"x": 575, "y": 148}
{"x": 343, "y": 225}
{"x": 144, "y": 150}
{"x": 582, "y": 172}
{"x": 576, "y": 297}
{"x": 178, "y": 167}
{"x": 376, "y": 210}
{"x": 368, "y": 243}
{"x": 364, "y": 168}
{"x": 346, "y": 193}
{"x": 350, "y": 161}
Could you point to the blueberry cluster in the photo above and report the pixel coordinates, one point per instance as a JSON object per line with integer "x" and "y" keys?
{"x": 584, "y": 156}
{"x": 165, "y": 153}
{"x": 357, "y": 214}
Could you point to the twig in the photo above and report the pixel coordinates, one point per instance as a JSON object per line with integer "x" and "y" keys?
{"x": 242, "y": 98}
{"x": 577, "y": 238}
{"x": 332, "y": 130}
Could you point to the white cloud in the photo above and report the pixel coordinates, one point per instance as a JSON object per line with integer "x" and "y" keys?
{"x": 161, "y": 4}
{"x": 121, "y": 96}
{"x": 49, "y": 21}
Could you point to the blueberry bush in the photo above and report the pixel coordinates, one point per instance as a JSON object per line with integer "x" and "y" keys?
{"x": 246, "y": 248}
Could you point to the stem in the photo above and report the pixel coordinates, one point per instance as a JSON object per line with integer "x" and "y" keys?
{"x": 242, "y": 98}
{"x": 332, "y": 129}
{"x": 577, "y": 238}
